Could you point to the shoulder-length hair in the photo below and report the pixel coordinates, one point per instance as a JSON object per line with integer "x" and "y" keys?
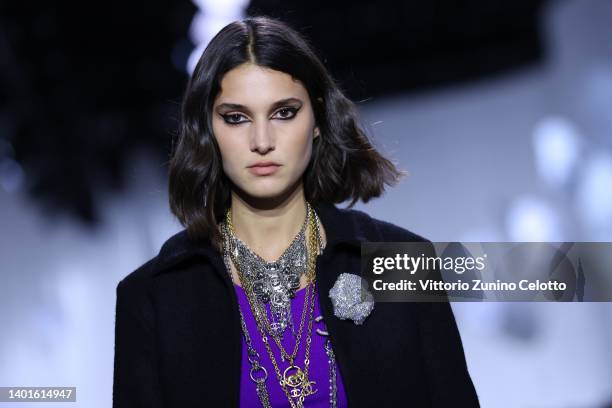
{"x": 344, "y": 164}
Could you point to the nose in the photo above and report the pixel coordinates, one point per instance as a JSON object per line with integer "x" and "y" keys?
{"x": 262, "y": 138}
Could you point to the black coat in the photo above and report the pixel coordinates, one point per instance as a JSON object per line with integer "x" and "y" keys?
{"x": 178, "y": 339}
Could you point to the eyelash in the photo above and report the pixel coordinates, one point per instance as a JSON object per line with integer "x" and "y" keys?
{"x": 290, "y": 109}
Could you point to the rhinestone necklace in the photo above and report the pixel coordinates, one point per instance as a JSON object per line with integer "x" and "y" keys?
{"x": 273, "y": 282}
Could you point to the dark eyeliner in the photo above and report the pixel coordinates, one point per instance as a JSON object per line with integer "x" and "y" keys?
{"x": 292, "y": 109}
{"x": 227, "y": 115}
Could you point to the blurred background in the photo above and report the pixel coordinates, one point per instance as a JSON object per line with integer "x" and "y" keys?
{"x": 501, "y": 112}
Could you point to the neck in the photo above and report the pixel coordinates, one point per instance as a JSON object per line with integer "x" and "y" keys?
{"x": 268, "y": 226}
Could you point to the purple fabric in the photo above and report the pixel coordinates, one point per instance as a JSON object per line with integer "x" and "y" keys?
{"x": 319, "y": 365}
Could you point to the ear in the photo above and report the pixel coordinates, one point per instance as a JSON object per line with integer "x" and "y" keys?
{"x": 317, "y": 132}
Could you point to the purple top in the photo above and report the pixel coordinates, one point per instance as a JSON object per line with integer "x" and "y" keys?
{"x": 319, "y": 362}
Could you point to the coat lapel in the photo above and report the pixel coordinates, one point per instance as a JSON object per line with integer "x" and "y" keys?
{"x": 351, "y": 343}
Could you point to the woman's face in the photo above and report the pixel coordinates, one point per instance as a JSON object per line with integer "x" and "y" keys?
{"x": 263, "y": 116}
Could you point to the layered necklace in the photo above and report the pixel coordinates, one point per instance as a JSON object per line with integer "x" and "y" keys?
{"x": 276, "y": 283}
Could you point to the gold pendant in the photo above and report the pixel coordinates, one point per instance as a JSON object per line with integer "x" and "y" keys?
{"x": 295, "y": 378}
{"x": 307, "y": 388}
{"x": 303, "y": 392}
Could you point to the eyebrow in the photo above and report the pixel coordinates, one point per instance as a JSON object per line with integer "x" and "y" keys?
{"x": 275, "y": 105}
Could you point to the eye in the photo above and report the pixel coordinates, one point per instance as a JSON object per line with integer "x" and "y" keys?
{"x": 233, "y": 118}
{"x": 286, "y": 113}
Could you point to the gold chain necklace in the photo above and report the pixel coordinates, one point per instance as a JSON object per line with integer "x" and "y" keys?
{"x": 293, "y": 376}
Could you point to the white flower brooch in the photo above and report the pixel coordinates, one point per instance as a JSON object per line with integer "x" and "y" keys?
{"x": 351, "y": 298}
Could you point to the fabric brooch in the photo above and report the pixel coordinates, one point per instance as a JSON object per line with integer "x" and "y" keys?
{"x": 348, "y": 299}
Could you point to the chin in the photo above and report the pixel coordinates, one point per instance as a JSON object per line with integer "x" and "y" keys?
{"x": 265, "y": 193}
{"x": 267, "y": 189}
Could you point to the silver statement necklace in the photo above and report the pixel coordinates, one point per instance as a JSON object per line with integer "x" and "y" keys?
{"x": 274, "y": 282}
{"x": 258, "y": 373}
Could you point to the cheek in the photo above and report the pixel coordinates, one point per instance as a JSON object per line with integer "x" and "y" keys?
{"x": 225, "y": 149}
{"x": 301, "y": 151}
{"x": 302, "y": 137}
{"x": 228, "y": 155}
{"x": 307, "y": 150}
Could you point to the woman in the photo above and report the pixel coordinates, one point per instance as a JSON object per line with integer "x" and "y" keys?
{"x": 235, "y": 310}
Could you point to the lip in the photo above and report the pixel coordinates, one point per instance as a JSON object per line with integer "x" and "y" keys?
{"x": 264, "y": 169}
{"x": 265, "y": 164}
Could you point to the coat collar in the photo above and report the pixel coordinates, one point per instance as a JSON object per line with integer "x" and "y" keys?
{"x": 342, "y": 226}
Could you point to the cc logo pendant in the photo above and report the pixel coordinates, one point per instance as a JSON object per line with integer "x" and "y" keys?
{"x": 298, "y": 379}
{"x": 307, "y": 388}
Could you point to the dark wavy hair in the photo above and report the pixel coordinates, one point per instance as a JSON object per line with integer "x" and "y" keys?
{"x": 344, "y": 164}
